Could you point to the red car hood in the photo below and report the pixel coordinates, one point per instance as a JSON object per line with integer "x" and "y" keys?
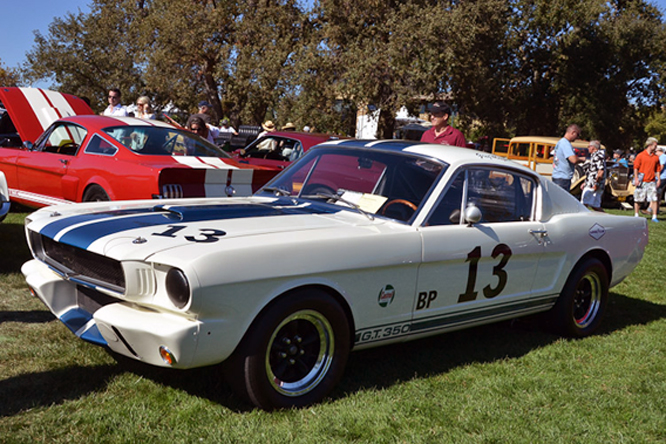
{"x": 32, "y": 110}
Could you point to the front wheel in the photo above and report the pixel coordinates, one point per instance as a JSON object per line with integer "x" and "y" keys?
{"x": 583, "y": 300}
{"x": 293, "y": 354}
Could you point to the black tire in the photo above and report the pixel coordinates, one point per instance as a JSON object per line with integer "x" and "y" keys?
{"x": 293, "y": 354}
{"x": 95, "y": 193}
{"x": 583, "y": 300}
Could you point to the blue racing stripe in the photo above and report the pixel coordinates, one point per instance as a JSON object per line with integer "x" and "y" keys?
{"x": 52, "y": 229}
{"x": 88, "y": 233}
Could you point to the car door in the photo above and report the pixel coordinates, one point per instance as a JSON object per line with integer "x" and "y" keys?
{"x": 482, "y": 271}
{"x": 272, "y": 151}
{"x": 42, "y": 168}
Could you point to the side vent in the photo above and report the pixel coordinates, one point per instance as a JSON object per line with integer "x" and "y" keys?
{"x": 172, "y": 191}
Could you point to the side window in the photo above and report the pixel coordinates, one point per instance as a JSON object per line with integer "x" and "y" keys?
{"x": 520, "y": 149}
{"x": 447, "y": 211}
{"x": 97, "y": 145}
{"x": 64, "y": 138}
{"x": 502, "y": 196}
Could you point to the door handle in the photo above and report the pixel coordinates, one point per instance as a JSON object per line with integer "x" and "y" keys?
{"x": 64, "y": 162}
{"x": 541, "y": 235}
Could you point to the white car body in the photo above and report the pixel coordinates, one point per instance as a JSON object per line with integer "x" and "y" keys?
{"x": 394, "y": 280}
{"x": 5, "y": 204}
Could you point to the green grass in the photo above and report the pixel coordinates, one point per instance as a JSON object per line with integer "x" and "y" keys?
{"x": 505, "y": 383}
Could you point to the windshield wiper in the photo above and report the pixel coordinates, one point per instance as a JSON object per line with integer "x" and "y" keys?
{"x": 338, "y": 198}
{"x": 277, "y": 191}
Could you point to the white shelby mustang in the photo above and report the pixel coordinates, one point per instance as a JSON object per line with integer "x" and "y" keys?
{"x": 356, "y": 245}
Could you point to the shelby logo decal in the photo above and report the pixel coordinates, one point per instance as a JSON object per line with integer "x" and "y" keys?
{"x": 597, "y": 231}
{"x": 386, "y": 296}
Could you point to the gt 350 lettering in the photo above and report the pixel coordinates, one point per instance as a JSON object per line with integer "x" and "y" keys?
{"x": 383, "y": 332}
{"x": 205, "y": 235}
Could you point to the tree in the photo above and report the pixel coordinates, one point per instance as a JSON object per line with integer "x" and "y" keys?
{"x": 9, "y": 76}
{"x": 591, "y": 62}
{"x": 86, "y": 54}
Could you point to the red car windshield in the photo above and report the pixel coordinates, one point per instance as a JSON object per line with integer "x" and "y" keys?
{"x": 159, "y": 141}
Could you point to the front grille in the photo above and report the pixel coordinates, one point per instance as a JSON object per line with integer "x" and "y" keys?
{"x": 79, "y": 264}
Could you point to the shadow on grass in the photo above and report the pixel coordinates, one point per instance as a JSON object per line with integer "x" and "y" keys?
{"x": 28, "y": 317}
{"x": 379, "y": 368}
{"x": 33, "y": 390}
{"x": 15, "y": 249}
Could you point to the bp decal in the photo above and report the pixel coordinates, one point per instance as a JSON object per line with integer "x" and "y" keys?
{"x": 386, "y": 296}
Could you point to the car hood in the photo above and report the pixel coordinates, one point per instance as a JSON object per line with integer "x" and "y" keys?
{"x": 32, "y": 110}
{"x": 138, "y": 229}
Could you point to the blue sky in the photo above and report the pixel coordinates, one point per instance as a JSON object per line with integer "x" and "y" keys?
{"x": 21, "y": 17}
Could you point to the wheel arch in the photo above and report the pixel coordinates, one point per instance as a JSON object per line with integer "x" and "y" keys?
{"x": 333, "y": 293}
{"x": 602, "y": 256}
{"x": 99, "y": 182}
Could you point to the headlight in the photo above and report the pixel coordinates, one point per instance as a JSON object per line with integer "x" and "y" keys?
{"x": 178, "y": 287}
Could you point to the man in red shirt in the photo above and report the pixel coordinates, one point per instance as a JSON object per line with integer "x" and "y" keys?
{"x": 646, "y": 172}
{"x": 441, "y": 132}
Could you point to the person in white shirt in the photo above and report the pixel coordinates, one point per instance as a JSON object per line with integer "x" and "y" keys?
{"x": 225, "y": 127}
{"x": 115, "y": 108}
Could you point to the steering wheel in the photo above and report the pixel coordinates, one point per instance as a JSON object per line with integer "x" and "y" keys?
{"x": 398, "y": 201}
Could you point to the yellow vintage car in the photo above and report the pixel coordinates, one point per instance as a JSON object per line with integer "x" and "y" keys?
{"x": 536, "y": 152}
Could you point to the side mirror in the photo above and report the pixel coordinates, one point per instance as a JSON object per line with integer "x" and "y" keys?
{"x": 28, "y": 145}
{"x": 472, "y": 215}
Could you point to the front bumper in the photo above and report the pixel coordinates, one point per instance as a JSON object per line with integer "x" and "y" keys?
{"x": 126, "y": 328}
{"x": 4, "y": 209}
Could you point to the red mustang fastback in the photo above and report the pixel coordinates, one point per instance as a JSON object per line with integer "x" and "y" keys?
{"x": 72, "y": 155}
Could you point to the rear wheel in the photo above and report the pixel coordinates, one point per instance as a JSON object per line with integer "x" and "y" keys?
{"x": 294, "y": 353}
{"x": 95, "y": 193}
{"x": 582, "y": 303}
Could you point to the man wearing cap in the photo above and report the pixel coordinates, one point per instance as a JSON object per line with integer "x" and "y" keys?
{"x": 646, "y": 171}
{"x": 619, "y": 159}
{"x": 441, "y": 132}
{"x": 565, "y": 159}
{"x": 662, "y": 164}
{"x": 204, "y": 111}
{"x": 225, "y": 127}
{"x": 593, "y": 188}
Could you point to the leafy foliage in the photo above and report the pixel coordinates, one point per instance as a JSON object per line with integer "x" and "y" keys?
{"x": 9, "y": 76}
{"x": 508, "y": 66}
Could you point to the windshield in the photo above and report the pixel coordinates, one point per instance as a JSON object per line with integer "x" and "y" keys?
{"x": 377, "y": 182}
{"x": 159, "y": 141}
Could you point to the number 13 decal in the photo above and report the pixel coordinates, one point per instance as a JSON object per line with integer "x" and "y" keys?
{"x": 473, "y": 258}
